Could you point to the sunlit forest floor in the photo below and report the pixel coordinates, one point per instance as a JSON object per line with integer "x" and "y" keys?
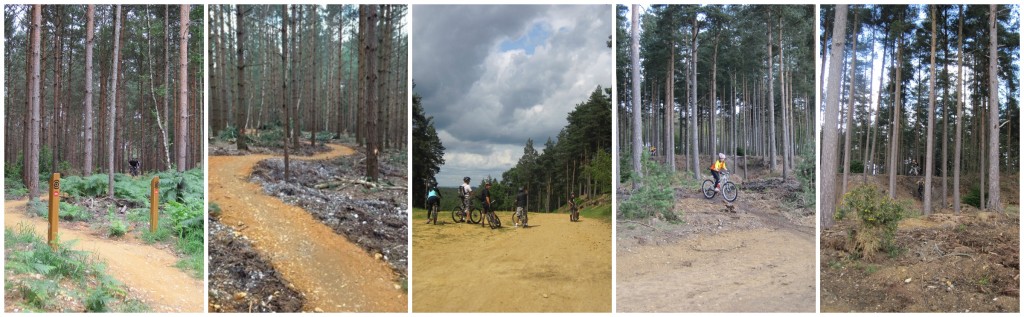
{"x": 942, "y": 263}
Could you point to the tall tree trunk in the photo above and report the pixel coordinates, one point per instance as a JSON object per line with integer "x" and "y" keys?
{"x": 897, "y": 106}
{"x": 830, "y": 133}
{"x": 284, "y": 86}
{"x": 370, "y": 16}
{"x": 167, "y": 84}
{"x": 785, "y": 106}
{"x": 242, "y": 110}
{"x": 182, "y": 135}
{"x": 993, "y": 114}
{"x": 32, "y": 158}
{"x": 771, "y": 102}
{"x": 958, "y": 146}
{"x": 929, "y": 167}
{"x": 669, "y": 109}
{"x": 850, "y": 105}
{"x": 113, "y": 104}
{"x": 89, "y": 28}
{"x": 694, "y": 143}
{"x": 635, "y": 99}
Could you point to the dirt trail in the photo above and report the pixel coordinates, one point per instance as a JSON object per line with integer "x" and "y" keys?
{"x": 145, "y": 270}
{"x": 333, "y": 273}
{"x": 555, "y": 266}
{"x": 759, "y": 270}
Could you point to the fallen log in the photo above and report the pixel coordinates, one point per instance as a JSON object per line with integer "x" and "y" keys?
{"x": 342, "y": 182}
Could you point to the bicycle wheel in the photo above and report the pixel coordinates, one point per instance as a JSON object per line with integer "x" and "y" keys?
{"x": 492, "y": 220}
{"x": 708, "y": 187}
{"x": 455, "y": 215}
{"x": 730, "y": 192}
{"x": 474, "y": 215}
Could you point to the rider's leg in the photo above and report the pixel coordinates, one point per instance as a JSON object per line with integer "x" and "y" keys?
{"x": 715, "y": 174}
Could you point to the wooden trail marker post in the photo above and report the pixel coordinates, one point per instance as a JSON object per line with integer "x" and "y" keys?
{"x": 154, "y": 203}
{"x": 51, "y": 234}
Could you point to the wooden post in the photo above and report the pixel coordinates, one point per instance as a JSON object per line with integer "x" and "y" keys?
{"x": 154, "y": 203}
{"x": 51, "y": 234}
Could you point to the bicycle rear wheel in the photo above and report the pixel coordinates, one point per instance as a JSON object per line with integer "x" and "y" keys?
{"x": 474, "y": 215}
{"x": 455, "y": 215}
{"x": 730, "y": 192}
{"x": 493, "y": 221}
{"x": 708, "y": 187}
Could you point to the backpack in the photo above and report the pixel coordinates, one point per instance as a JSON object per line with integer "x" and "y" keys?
{"x": 462, "y": 192}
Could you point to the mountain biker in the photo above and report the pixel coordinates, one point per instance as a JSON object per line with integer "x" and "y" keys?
{"x": 521, "y": 206}
{"x": 133, "y": 166}
{"x": 485, "y": 198}
{"x": 465, "y": 194}
{"x": 717, "y": 168}
{"x": 572, "y": 202}
{"x": 433, "y": 198}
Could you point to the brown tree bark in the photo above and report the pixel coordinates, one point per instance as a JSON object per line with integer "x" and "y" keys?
{"x": 993, "y": 114}
{"x": 830, "y": 133}
{"x": 182, "y": 128}
{"x": 242, "y": 110}
{"x": 89, "y": 30}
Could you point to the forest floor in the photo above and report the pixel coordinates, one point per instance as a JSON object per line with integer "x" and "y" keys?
{"x": 754, "y": 255}
{"x": 148, "y": 272}
{"x": 944, "y": 263}
{"x": 552, "y": 266}
{"x": 307, "y": 240}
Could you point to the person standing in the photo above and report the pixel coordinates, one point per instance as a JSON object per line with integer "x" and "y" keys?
{"x": 521, "y": 207}
{"x": 466, "y": 194}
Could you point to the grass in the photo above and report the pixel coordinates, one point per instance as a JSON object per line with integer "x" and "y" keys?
{"x": 602, "y": 212}
{"x": 45, "y": 277}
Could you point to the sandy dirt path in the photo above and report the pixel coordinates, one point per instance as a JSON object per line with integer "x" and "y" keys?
{"x": 145, "y": 270}
{"x": 333, "y": 273}
{"x": 555, "y": 266}
{"x": 761, "y": 270}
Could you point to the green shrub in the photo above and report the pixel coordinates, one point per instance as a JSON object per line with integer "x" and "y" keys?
{"x": 973, "y": 197}
{"x": 14, "y": 188}
{"x": 98, "y": 301}
{"x": 71, "y": 212}
{"x": 12, "y": 170}
{"x": 654, "y": 197}
{"x": 229, "y": 133}
{"x": 806, "y": 173}
{"x": 215, "y": 211}
{"x": 877, "y": 216}
{"x": 117, "y": 226}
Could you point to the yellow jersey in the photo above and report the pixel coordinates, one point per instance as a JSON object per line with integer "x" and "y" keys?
{"x": 718, "y": 166}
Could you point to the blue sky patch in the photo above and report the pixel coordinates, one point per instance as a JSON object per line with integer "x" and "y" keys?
{"x": 536, "y": 36}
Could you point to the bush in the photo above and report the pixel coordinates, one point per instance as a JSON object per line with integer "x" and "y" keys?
{"x": 973, "y": 197}
{"x": 72, "y": 212}
{"x": 228, "y": 133}
{"x": 14, "y": 188}
{"x": 117, "y": 226}
{"x": 806, "y": 171}
{"x": 877, "y": 216}
{"x": 12, "y": 170}
{"x": 654, "y": 196}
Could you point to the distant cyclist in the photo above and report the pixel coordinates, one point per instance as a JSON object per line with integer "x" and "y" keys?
{"x": 433, "y": 199}
{"x": 521, "y": 206}
{"x": 485, "y": 198}
{"x": 465, "y": 193}
{"x": 717, "y": 168}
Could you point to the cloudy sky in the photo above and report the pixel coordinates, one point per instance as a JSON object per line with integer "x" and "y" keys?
{"x": 493, "y": 76}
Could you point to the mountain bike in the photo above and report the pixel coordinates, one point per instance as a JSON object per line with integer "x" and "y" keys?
{"x": 492, "y": 218}
{"x": 459, "y": 215}
{"x": 574, "y": 214}
{"x": 432, "y": 213}
{"x": 520, "y": 219}
{"x": 728, "y": 188}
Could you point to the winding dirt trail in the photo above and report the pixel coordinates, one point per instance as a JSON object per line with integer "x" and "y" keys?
{"x": 334, "y": 274}
{"x": 554, "y": 266}
{"x": 145, "y": 270}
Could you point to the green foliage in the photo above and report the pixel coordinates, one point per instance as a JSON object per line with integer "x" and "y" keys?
{"x": 71, "y": 212}
{"x": 603, "y": 212}
{"x": 214, "y": 211}
{"x": 654, "y": 195}
{"x": 14, "y": 188}
{"x": 806, "y": 173}
{"x": 973, "y": 197}
{"x": 229, "y": 133}
{"x": 98, "y": 301}
{"x": 427, "y": 151}
{"x": 90, "y": 186}
{"x": 39, "y": 293}
{"x": 877, "y": 216}
{"x": 856, "y": 167}
{"x": 12, "y": 170}
{"x": 324, "y": 136}
{"x": 117, "y": 226}
{"x": 600, "y": 169}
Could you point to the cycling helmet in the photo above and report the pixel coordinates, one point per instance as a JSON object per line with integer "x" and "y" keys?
{"x": 721, "y": 155}
{"x": 465, "y": 179}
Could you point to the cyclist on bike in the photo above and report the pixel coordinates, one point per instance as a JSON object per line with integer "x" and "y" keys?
{"x": 433, "y": 199}
{"x": 573, "y": 207}
{"x": 465, "y": 194}
{"x": 134, "y": 166}
{"x": 521, "y": 207}
{"x": 717, "y": 168}
{"x": 485, "y": 198}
